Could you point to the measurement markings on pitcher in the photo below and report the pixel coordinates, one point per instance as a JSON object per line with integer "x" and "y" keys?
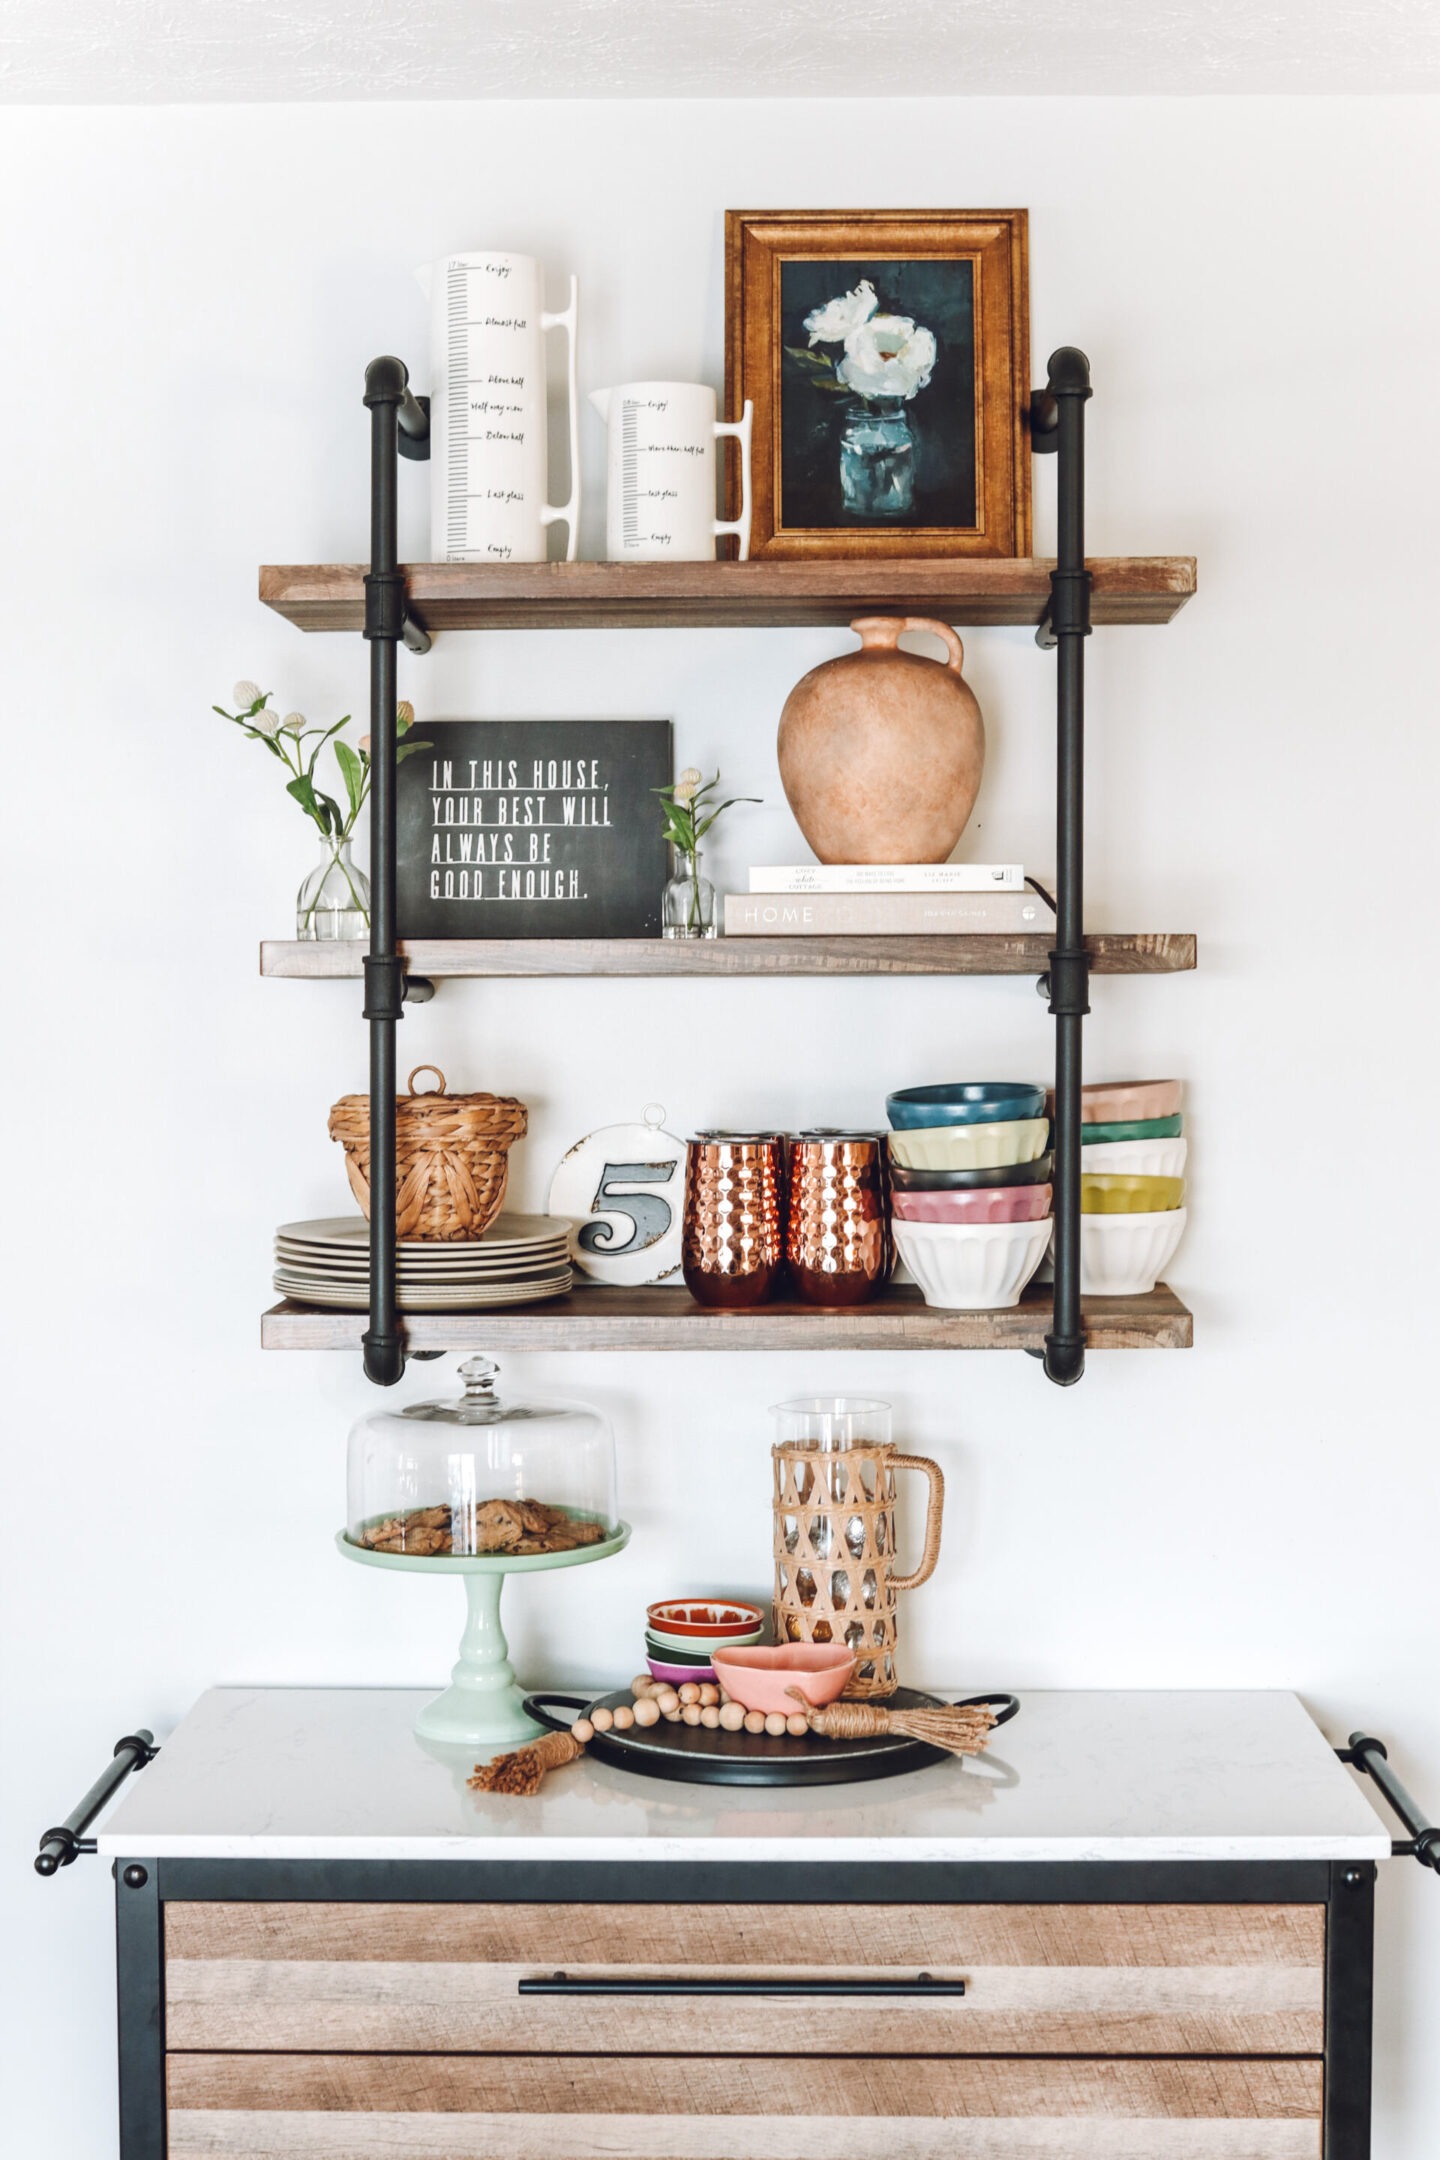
{"x": 629, "y": 471}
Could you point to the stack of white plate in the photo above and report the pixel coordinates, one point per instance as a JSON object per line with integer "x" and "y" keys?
{"x": 520, "y": 1259}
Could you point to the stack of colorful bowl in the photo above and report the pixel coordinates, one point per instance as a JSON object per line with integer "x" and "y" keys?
{"x": 970, "y": 1190}
{"x": 1132, "y": 1187}
{"x": 683, "y": 1634}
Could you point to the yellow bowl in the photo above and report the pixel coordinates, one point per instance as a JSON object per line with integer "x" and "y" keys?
{"x": 971, "y": 1147}
{"x": 1117, "y": 1194}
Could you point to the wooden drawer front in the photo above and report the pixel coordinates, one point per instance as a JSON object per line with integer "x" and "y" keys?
{"x": 1039, "y": 1979}
{"x": 347, "y": 2107}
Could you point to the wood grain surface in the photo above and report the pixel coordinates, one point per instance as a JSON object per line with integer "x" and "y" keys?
{"x": 1083, "y": 1980}
{"x": 660, "y": 1318}
{"x": 1157, "y": 952}
{"x": 753, "y": 595}
{"x": 262, "y": 2107}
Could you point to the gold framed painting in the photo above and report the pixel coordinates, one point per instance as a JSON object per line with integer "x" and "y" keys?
{"x": 887, "y": 355}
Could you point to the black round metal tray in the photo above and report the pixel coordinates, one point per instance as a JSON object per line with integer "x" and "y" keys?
{"x": 699, "y": 1755}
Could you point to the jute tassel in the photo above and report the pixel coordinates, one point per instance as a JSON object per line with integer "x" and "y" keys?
{"x": 523, "y": 1771}
{"x": 960, "y": 1729}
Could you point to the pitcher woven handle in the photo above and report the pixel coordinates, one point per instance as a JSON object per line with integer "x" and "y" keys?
{"x": 934, "y": 1511}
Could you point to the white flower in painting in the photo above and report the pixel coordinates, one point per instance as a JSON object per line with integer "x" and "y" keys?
{"x": 245, "y": 695}
{"x": 887, "y": 356}
{"x": 266, "y": 722}
{"x": 833, "y": 323}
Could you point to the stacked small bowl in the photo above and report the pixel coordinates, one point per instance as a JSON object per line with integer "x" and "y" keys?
{"x": 970, "y": 1189}
{"x": 683, "y": 1634}
{"x": 1132, "y": 1184}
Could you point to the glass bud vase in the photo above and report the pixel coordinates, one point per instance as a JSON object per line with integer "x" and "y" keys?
{"x": 688, "y": 909}
{"x": 334, "y": 901}
{"x": 877, "y": 460}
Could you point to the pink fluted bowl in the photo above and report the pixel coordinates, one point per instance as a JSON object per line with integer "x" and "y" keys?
{"x": 759, "y": 1678}
{"x": 990, "y": 1204}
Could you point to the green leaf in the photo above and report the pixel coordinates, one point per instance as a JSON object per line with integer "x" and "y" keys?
{"x": 815, "y": 363}
{"x": 408, "y": 749}
{"x": 352, "y": 772}
{"x": 729, "y": 805}
{"x": 303, "y": 790}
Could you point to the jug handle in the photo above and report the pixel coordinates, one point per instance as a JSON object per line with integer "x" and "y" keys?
{"x": 568, "y": 511}
{"x": 740, "y": 429}
{"x": 933, "y": 1513}
{"x": 885, "y": 631}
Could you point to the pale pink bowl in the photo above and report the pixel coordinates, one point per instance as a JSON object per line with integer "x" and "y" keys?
{"x": 993, "y": 1203}
{"x": 759, "y": 1678}
{"x": 1117, "y": 1102}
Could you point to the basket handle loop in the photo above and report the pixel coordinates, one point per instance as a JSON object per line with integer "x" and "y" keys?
{"x": 410, "y": 1083}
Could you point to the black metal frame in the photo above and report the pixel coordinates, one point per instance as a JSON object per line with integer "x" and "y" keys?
{"x": 1345, "y": 1889}
{"x": 400, "y": 426}
{"x": 1057, "y": 424}
{"x": 398, "y": 420}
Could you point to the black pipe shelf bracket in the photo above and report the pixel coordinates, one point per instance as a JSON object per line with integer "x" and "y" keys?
{"x": 59, "y": 1847}
{"x": 1423, "y": 1844}
{"x": 399, "y": 426}
{"x": 1057, "y": 427}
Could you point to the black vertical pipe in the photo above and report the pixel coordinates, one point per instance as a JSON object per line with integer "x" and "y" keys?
{"x": 385, "y": 389}
{"x": 1069, "y": 387}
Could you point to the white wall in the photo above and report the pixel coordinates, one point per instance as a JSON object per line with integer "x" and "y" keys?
{"x": 191, "y": 297}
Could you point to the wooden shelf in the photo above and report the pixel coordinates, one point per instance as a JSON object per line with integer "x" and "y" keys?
{"x": 758, "y": 595}
{"x": 1163, "y": 952}
{"x": 665, "y": 1319}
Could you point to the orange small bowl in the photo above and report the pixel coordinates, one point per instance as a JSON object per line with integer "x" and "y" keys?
{"x": 759, "y": 1678}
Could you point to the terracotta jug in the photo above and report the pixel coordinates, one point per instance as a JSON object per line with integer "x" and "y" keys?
{"x": 881, "y": 751}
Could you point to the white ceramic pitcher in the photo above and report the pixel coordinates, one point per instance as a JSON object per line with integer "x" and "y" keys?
{"x": 489, "y": 498}
{"x": 660, "y": 472}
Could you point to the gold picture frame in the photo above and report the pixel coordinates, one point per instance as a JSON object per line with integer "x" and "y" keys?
{"x": 887, "y": 357}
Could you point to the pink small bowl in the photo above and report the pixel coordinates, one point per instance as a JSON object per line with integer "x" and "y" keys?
{"x": 704, "y": 1619}
{"x": 677, "y": 1675}
{"x": 759, "y": 1678}
{"x": 992, "y": 1203}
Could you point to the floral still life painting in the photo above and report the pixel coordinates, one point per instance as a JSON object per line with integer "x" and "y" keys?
{"x": 887, "y": 357}
{"x": 878, "y": 394}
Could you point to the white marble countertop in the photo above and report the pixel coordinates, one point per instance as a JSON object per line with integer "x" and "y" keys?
{"x": 337, "y": 1773}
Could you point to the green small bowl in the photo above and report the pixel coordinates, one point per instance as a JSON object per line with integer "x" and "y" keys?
{"x": 1145, "y": 1128}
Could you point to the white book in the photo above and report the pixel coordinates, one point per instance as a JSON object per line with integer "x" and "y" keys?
{"x": 888, "y": 877}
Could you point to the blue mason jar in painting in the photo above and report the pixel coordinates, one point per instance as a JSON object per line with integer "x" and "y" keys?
{"x": 877, "y": 459}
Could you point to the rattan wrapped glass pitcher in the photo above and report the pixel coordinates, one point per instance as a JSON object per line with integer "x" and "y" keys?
{"x": 835, "y": 1560}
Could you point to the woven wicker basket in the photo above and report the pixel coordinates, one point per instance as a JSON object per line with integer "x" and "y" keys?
{"x": 451, "y": 1157}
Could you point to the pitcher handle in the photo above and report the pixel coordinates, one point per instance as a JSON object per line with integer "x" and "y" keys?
{"x": 568, "y": 511}
{"x": 740, "y": 429}
{"x": 934, "y": 1511}
{"x": 883, "y": 633}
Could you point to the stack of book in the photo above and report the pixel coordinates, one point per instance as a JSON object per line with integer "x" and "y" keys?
{"x": 888, "y": 900}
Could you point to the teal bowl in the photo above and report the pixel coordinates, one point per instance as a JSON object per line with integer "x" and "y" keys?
{"x": 1145, "y": 1128}
{"x": 963, "y": 1102}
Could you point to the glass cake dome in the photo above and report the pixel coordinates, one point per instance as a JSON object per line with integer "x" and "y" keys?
{"x": 480, "y": 1476}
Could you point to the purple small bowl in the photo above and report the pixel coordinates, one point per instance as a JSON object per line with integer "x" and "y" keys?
{"x": 677, "y": 1675}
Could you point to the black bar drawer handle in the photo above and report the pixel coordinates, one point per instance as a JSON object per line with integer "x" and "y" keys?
{"x": 830, "y": 1990}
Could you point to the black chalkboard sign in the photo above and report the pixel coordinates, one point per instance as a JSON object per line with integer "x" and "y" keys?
{"x": 533, "y": 828}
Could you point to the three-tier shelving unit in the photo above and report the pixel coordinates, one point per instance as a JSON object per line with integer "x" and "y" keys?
{"x": 390, "y": 603}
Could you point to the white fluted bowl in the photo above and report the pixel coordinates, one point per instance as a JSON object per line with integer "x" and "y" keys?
{"x": 972, "y": 1267}
{"x": 1136, "y": 1158}
{"x": 1125, "y": 1255}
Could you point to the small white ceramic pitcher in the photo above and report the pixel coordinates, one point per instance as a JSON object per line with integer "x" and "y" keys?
{"x": 489, "y": 485}
{"x": 660, "y": 472}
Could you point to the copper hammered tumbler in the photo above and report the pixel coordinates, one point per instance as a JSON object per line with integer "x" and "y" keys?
{"x": 733, "y": 1244}
{"x": 837, "y": 1240}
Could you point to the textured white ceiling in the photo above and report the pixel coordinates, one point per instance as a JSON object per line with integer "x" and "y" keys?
{"x": 193, "y": 51}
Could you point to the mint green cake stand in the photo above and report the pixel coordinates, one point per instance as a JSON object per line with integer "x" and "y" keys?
{"x": 483, "y": 1707}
